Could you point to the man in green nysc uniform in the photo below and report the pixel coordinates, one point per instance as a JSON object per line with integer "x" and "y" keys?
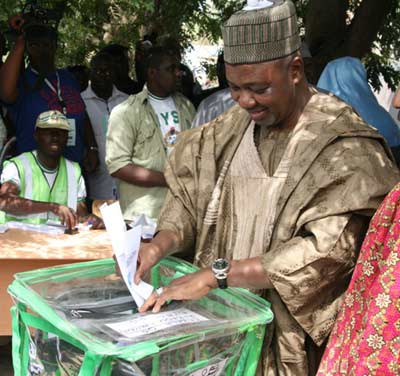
{"x": 142, "y": 132}
{"x": 42, "y": 185}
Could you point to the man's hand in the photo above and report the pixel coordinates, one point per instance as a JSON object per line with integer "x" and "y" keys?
{"x": 67, "y": 216}
{"x": 96, "y": 222}
{"x": 149, "y": 255}
{"x": 91, "y": 161}
{"x": 190, "y": 287}
{"x": 16, "y": 22}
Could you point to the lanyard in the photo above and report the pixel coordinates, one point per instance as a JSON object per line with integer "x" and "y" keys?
{"x": 55, "y": 91}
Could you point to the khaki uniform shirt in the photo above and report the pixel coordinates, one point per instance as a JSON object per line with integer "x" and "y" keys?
{"x": 134, "y": 137}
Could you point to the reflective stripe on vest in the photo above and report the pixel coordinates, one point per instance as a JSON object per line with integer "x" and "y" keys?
{"x": 72, "y": 185}
{"x": 27, "y": 176}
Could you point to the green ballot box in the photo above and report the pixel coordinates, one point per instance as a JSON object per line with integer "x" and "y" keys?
{"x": 80, "y": 319}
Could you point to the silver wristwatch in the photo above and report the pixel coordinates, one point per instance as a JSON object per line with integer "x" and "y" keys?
{"x": 220, "y": 268}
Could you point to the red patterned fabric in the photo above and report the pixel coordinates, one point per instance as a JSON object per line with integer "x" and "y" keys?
{"x": 366, "y": 337}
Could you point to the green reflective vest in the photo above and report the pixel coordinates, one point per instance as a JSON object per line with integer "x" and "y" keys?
{"x": 34, "y": 186}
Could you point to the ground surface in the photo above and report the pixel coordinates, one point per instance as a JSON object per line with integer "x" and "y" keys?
{"x": 5, "y": 357}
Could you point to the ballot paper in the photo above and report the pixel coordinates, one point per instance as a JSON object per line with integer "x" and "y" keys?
{"x": 57, "y": 224}
{"x": 42, "y": 228}
{"x": 126, "y": 249}
{"x": 141, "y": 325}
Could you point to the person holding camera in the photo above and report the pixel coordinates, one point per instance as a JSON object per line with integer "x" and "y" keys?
{"x": 41, "y": 87}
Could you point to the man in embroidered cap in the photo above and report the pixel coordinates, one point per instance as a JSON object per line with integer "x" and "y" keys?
{"x": 275, "y": 194}
{"x": 42, "y": 185}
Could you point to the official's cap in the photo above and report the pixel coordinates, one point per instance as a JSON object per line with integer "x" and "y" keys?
{"x": 52, "y": 119}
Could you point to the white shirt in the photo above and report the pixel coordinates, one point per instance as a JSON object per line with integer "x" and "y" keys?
{"x": 168, "y": 119}
{"x": 10, "y": 174}
{"x": 100, "y": 184}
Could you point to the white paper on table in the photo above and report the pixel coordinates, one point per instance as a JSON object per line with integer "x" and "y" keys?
{"x": 41, "y": 228}
{"x": 146, "y": 324}
{"x": 81, "y": 226}
{"x": 126, "y": 249}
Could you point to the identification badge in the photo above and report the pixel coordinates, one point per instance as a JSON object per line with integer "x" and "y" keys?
{"x": 71, "y": 133}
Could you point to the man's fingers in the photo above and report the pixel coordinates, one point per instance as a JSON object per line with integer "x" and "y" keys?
{"x": 97, "y": 224}
{"x": 149, "y": 302}
{"x": 156, "y": 301}
{"x": 70, "y": 219}
{"x": 162, "y": 299}
{"x": 141, "y": 275}
{"x": 138, "y": 275}
{"x": 73, "y": 218}
{"x": 141, "y": 271}
{"x": 16, "y": 21}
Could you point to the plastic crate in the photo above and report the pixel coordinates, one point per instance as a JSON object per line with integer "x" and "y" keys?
{"x": 79, "y": 319}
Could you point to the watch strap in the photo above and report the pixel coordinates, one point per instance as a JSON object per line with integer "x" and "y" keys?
{"x": 222, "y": 283}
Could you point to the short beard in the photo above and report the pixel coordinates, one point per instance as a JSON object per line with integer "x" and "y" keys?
{"x": 270, "y": 121}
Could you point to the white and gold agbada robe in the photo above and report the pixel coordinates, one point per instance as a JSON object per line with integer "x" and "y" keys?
{"x": 301, "y": 201}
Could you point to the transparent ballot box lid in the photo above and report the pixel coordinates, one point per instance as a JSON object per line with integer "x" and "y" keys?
{"x": 87, "y": 304}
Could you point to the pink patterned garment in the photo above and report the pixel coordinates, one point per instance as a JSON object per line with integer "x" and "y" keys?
{"x": 366, "y": 337}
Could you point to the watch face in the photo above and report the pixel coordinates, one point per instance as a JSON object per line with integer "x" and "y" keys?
{"x": 220, "y": 264}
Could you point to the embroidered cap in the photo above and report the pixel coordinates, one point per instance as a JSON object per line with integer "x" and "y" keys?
{"x": 264, "y": 30}
{"x": 52, "y": 119}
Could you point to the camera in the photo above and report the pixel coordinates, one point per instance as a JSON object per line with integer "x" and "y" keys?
{"x": 43, "y": 14}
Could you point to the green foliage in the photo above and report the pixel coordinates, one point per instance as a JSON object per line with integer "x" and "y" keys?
{"x": 90, "y": 24}
{"x": 386, "y": 52}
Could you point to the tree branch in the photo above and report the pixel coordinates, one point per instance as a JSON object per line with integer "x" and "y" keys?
{"x": 157, "y": 7}
{"x": 325, "y": 21}
{"x": 329, "y": 37}
{"x": 368, "y": 19}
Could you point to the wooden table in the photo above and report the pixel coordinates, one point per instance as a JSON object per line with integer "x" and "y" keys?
{"x": 22, "y": 250}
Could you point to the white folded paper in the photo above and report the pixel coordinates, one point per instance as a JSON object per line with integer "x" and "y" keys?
{"x": 126, "y": 249}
